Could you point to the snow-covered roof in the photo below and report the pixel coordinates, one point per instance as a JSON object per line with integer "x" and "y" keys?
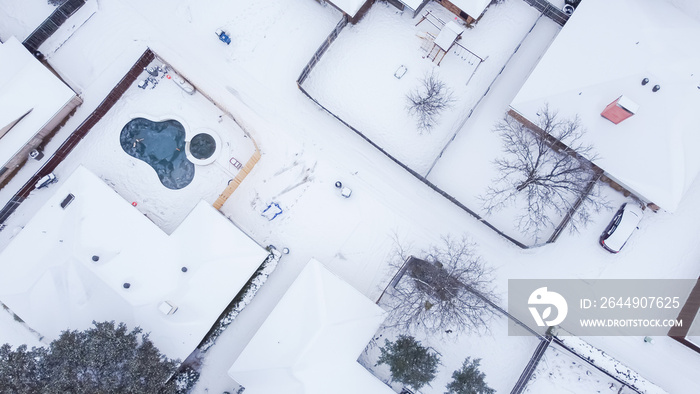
{"x": 413, "y": 4}
{"x": 349, "y": 7}
{"x": 473, "y": 8}
{"x": 447, "y": 36}
{"x": 50, "y": 280}
{"x": 310, "y": 342}
{"x": 26, "y": 88}
{"x": 605, "y": 50}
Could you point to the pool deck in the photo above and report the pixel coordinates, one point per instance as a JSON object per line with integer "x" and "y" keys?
{"x": 100, "y": 151}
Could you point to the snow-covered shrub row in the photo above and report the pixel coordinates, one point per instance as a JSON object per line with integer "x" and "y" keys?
{"x": 608, "y": 364}
{"x": 242, "y": 299}
{"x": 186, "y": 379}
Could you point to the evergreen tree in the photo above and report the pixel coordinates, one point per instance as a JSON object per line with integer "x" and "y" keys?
{"x": 186, "y": 379}
{"x": 411, "y": 363}
{"x": 469, "y": 380}
{"x": 102, "y": 359}
{"x": 19, "y": 369}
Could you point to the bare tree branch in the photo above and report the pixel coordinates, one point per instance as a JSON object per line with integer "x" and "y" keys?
{"x": 436, "y": 291}
{"x": 547, "y": 175}
{"x": 427, "y": 102}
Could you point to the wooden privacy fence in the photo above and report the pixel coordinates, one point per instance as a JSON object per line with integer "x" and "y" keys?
{"x": 305, "y": 73}
{"x": 587, "y": 360}
{"x": 51, "y": 24}
{"x": 547, "y": 10}
{"x": 235, "y": 182}
{"x": 321, "y": 50}
{"x": 525, "y": 376}
{"x": 580, "y": 200}
{"x": 72, "y": 141}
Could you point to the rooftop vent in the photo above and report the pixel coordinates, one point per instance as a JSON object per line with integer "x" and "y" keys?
{"x": 66, "y": 201}
{"x": 95, "y": 258}
{"x": 620, "y": 109}
{"x": 167, "y": 308}
{"x": 127, "y": 285}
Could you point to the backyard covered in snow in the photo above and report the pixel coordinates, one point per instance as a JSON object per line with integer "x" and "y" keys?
{"x": 503, "y": 357}
{"x": 561, "y": 371}
{"x": 103, "y": 149}
{"x": 355, "y": 80}
{"x": 355, "y": 77}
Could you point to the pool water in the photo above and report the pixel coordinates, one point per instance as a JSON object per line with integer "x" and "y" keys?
{"x": 202, "y": 146}
{"x": 162, "y": 146}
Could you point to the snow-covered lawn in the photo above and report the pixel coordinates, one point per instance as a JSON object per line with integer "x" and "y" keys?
{"x": 614, "y": 367}
{"x": 664, "y": 364}
{"x": 355, "y": 77}
{"x": 503, "y": 357}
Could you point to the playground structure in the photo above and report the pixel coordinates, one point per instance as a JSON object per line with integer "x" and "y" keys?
{"x": 446, "y": 40}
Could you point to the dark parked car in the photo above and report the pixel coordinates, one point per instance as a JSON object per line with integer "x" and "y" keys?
{"x": 621, "y": 227}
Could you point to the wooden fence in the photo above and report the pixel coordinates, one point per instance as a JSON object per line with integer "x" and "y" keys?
{"x": 51, "y": 24}
{"x": 586, "y": 359}
{"x": 321, "y": 50}
{"x": 74, "y": 139}
{"x": 550, "y": 11}
{"x": 525, "y": 376}
{"x": 305, "y": 73}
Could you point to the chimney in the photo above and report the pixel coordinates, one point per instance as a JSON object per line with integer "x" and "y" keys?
{"x": 620, "y": 109}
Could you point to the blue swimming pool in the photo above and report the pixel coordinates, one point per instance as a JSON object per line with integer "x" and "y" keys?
{"x": 162, "y": 146}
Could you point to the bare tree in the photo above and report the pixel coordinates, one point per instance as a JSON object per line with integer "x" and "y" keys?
{"x": 550, "y": 170}
{"x": 442, "y": 291}
{"x": 427, "y": 102}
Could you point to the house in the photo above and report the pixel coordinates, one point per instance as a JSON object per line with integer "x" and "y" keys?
{"x": 33, "y": 102}
{"x": 468, "y": 10}
{"x": 353, "y": 9}
{"x": 310, "y": 342}
{"x": 627, "y": 69}
{"x": 88, "y": 254}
